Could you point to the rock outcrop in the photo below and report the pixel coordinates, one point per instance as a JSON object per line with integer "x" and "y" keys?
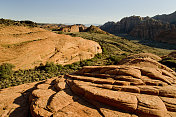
{"x": 125, "y": 25}
{"x": 132, "y": 89}
{"x": 27, "y": 47}
{"x": 95, "y": 29}
{"x": 73, "y": 28}
{"x": 141, "y": 27}
{"x": 150, "y": 29}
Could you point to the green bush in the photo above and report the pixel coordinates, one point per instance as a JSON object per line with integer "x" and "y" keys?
{"x": 6, "y": 70}
{"x": 50, "y": 67}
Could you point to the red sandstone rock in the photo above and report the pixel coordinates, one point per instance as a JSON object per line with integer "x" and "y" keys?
{"x": 101, "y": 91}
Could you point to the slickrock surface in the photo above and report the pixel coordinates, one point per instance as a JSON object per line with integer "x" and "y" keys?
{"x": 14, "y": 100}
{"x": 143, "y": 88}
{"x": 109, "y": 91}
{"x": 29, "y": 47}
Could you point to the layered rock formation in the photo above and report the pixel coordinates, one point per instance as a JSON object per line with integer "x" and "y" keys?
{"x": 141, "y": 27}
{"x": 139, "y": 87}
{"x": 125, "y": 25}
{"x": 27, "y": 47}
{"x": 150, "y": 29}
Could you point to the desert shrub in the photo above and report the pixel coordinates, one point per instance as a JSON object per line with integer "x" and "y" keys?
{"x": 50, "y": 67}
{"x": 114, "y": 59}
{"x": 6, "y": 70}
{"x": 59, "y": 32}
{"x": 98, "y": 55}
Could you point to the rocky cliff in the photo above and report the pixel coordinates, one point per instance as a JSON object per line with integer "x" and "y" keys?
{"x": 139, "y": 87}
{"x": 150, "y": 28}
{"x": 125, "y": 25}
{"x": 167, "y": 36}
{"x": 141, "y": 27}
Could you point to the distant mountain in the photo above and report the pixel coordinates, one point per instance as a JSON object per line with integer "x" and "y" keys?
{"x": 143, "y": 27}
{"x": 171, "y": 18}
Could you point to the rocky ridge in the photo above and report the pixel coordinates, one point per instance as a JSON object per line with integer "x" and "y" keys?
{"x": 138, "y": 87}
{"x": 141, "y": 27}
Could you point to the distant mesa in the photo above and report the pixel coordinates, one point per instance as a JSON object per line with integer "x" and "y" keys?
{"x": 145, "y": 27}
{"x": 73, "y": 28}
{"x": 51, "y": 27}
{"x": 81, "y": 28}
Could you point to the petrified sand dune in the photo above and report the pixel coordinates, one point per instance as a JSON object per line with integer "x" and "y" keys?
{"x": 118, "y": 90}
{"x": 28, "y": 47}
{"x": 127, "y": 90}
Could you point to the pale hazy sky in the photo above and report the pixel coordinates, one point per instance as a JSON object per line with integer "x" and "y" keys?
{"x": 82, "y": 11}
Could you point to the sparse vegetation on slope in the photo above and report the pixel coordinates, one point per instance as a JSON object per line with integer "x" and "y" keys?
{"x": 114, "y": 45}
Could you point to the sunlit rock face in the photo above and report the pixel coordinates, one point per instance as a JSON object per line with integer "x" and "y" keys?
{"x": 140, "y": 86}
{"x": 27, "y": 47}
{"x": 143, "y": 28}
